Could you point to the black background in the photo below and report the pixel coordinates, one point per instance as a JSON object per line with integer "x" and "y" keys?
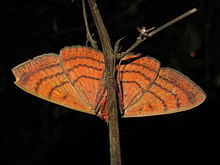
{"x": 35, "y": 131}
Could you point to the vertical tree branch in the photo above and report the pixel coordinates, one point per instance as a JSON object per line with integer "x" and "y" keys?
{"x": 114, "y": 139}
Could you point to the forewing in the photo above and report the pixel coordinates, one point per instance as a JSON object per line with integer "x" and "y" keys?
{"x": 136, "y": 76}
{"x": 171, "y": 92}
{"x": 84, "y": 68}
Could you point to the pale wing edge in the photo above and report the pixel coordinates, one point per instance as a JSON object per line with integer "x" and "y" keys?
{"x": 50, "y": 100}
{"x": 167, "y": 112}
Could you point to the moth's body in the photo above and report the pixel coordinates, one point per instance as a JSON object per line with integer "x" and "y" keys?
{"x": 75, "y": 79}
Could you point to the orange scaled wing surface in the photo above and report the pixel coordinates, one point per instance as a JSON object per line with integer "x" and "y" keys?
{"x": 137, "y": 74}
{"x": 47, "y": 77}
{"x": 84, "y": 68}
{"x": 170, "y": 92}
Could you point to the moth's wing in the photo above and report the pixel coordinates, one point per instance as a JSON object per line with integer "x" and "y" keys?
{"x": 171, "y": 92}
{"x": 136, "y": 76}
{"x": 44, "y": 77}
{"x": 84, "y": 68}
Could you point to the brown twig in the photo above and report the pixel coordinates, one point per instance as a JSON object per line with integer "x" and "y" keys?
{"x": 145, "y": 36}
{"x": 114, "y": 139}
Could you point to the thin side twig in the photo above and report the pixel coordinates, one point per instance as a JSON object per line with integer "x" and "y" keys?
{"x": 88, "y": 34}
{"x": 145, "y": 36}
{"x": 172, "y": 22}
